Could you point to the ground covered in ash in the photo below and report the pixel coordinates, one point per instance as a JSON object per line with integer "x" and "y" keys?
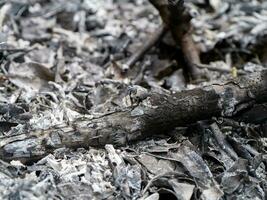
{"x": 61, "y": 60}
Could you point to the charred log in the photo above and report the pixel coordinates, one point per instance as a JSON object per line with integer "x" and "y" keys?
{"x": 150, "y": 114}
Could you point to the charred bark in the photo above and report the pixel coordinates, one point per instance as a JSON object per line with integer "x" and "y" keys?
{"x": 177, "y": 19}
{"x": 151, "y": 113}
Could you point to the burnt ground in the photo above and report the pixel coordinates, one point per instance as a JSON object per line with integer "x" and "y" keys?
{"x": 61, "y": 61}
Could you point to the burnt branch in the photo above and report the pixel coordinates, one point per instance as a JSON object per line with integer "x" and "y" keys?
{"x": 177, "y": 18}
{"x": 150, "y": 113}
{"x": 144, "y": 49}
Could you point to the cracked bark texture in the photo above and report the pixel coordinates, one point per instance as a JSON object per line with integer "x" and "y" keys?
{"x": 177, "y": 18}
{"x": 150, "y": 114}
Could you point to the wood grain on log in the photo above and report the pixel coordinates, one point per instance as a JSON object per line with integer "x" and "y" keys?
{"x": 153, "y": 113}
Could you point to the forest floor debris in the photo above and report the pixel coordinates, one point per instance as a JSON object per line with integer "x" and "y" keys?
{"x": 60, "y": 62}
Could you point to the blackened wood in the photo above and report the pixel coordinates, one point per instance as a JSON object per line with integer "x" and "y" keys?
{"x": 153, "y": 113}
{"x": 144, "y": 49}
{"x": 177, "y": 18}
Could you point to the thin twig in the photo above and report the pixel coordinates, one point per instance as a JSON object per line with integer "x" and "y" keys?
{"x": 166, "y": 174}
{"x": 147, "y": 46}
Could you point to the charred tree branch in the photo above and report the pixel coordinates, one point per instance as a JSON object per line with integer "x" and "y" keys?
{"x": 144, "y": 49}
{"x": 153, "y": 113}
{"x": 177, "y": 19}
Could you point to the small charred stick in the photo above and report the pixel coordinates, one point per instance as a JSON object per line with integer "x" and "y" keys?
{"x": 147, "y": 46}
